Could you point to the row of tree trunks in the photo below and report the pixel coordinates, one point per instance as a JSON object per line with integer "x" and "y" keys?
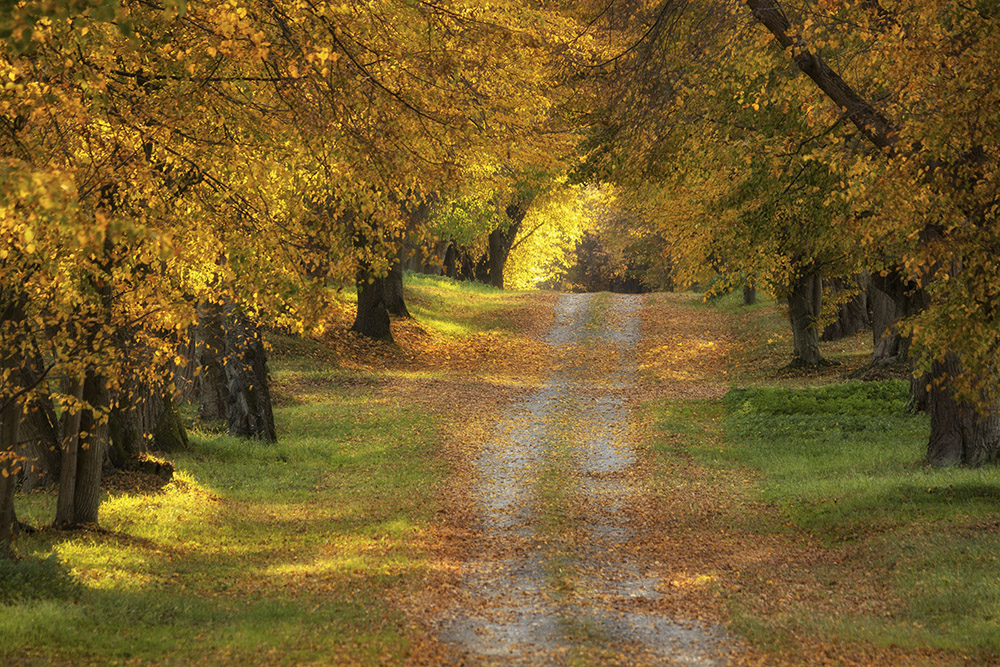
{"x": 233, "y": 382}
{"x": 852, "y": 315}
{"x": 805, "y": 301}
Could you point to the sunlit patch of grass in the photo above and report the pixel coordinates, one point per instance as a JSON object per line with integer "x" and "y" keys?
{"x": 457, "y": 307}
{"x": 282, "y": 553}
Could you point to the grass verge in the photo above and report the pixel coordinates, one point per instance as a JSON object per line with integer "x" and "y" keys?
{"x": 842, "y": 463}
{"x": 302, "y": 551}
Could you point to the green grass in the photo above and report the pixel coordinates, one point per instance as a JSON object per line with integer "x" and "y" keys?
{"x": 253, "y": 553}
{"x": 457, "y": 307}
{"x": 842, "y": 464}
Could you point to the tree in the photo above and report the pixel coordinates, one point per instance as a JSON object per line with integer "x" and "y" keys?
{"x": 945, "y": 158}
{"x": 916, "y": 191}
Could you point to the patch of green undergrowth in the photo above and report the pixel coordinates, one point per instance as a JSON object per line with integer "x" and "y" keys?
{"x": 844, "y": 463}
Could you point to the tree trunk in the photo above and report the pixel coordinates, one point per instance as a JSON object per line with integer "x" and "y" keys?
{"x": 434, "y": 263}
{"x": 250, "y": 414}
{"x": 373, "y": 315}
{"x": 185, "y": 374}
{"x": 892, "y": 298}
{"x": 889, "y": 346}
{"x": 468, "y": 270}
{"x": 959, "y": 434}
{"x": 149, "y": 422}
{"x": 210, "y": 350}
{"x": 393, "y": 287}
{"x": 10, "y": 419}
{"x": 749, "y": 295}
{"x": 852, "y": 315}
{"x": 496, "y": 258}
{"x": 92, "y": 449}
{"x": 39, "y": 433}
{"x": 70, "y": 452}
{"x": 501, "y": 241}
{"x": 804, "y": 303}
{"x": 13, "y": 302}
{"x": 481, "y": 272}
{"x": 920, "y": 396}
{"x": 41, "y": 451}
{"x": 451, "y": 261}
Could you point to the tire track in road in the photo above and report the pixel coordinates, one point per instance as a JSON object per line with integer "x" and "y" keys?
{"x": 556, "y": 582}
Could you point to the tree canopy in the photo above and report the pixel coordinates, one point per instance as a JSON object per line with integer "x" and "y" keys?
{"x": 161, "y": 158}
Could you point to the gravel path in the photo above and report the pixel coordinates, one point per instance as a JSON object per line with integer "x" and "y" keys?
{"x": 557, "y": 583}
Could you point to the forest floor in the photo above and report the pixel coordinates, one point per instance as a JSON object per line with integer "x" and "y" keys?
{"x": 539, "y": 478}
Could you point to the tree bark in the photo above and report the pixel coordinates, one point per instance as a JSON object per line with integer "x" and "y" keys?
{"x": 892, "y": 299}
{"x": 93, "y": 446}
{"x": 451, "y": 261}
{"x": 373, "y": 315}
{"x": 70, "y": 452}
{"x": 960, "y": 435}
{"x": 496, "y": 258}
{"x": 149, "y": 422}
{"x": 210, "y": 350}
{"x": 249, "y": 413}
{"x": 39, "y": 434}
{"x": 10, "y": 419}
{"x": 804, "y": 303}
{"x": 749, "y": 295}
{"x": 889, "y": 346}
{"x": 393, "y": 286}
{"x": 434, "y": 263}
{"x": 481, "y": 272}
{"x": 468, "y": 265}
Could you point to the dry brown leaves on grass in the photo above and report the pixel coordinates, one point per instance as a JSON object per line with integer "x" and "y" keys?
{"x": 686, "y": 352}
{"x": 466, "y": 381}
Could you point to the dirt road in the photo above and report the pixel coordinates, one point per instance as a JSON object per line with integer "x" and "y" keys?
{"x": 556, "y": 581}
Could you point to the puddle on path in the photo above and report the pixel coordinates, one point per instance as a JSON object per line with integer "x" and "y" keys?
{"x": 548, "y": 598}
